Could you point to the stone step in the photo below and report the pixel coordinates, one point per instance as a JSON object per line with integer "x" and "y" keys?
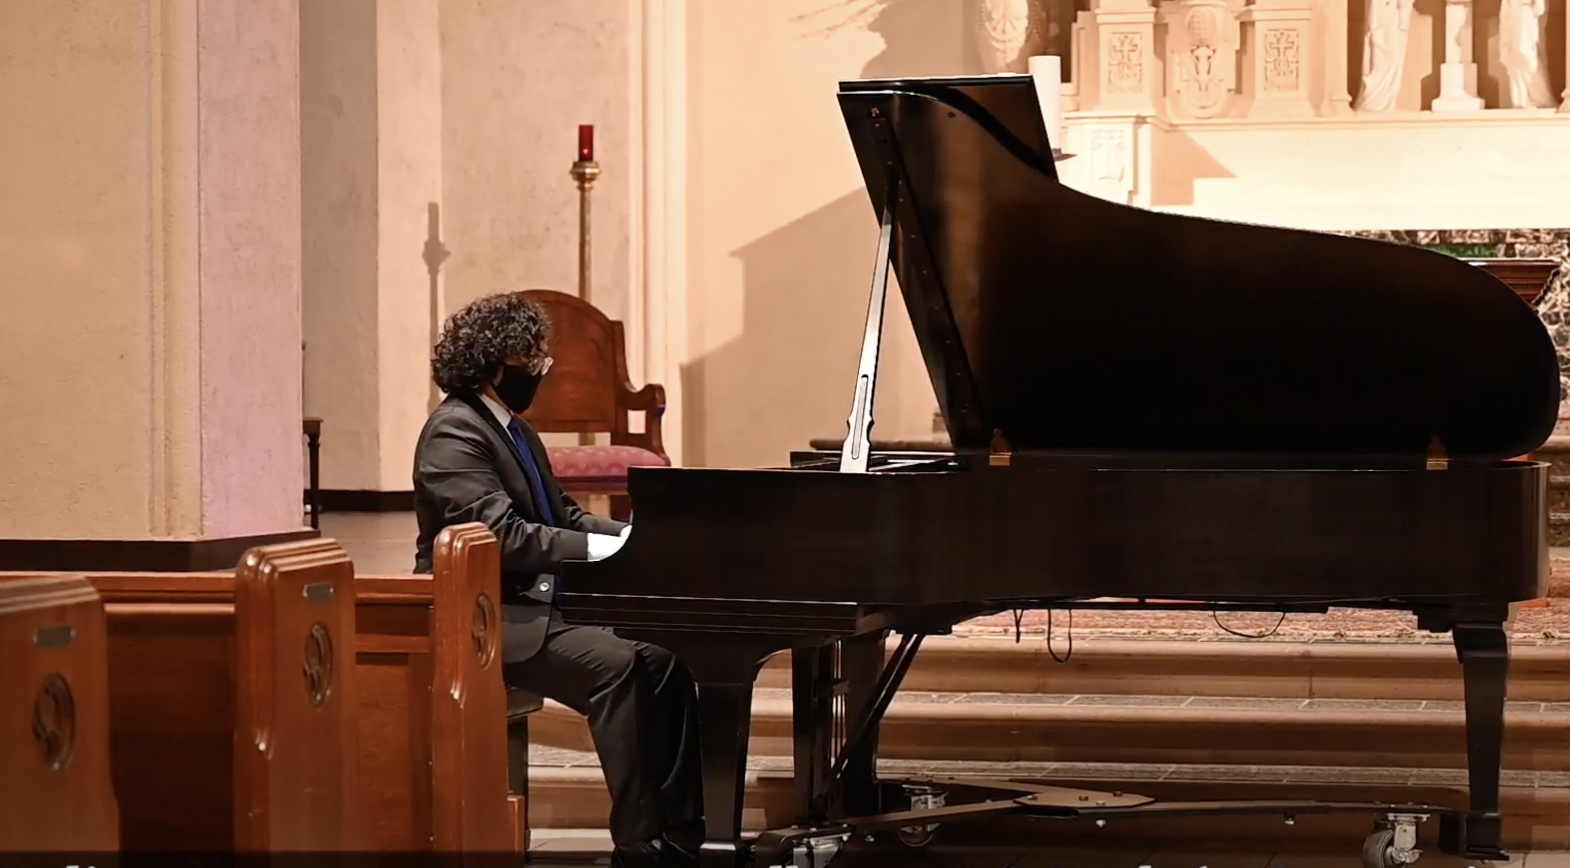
{"x": 1559, "y": 493}
{"x": 1531, "y": 624}
{"x": 568, "y": 791}
{"x": 1414, "y": 670}
{"x": 1234, "y": 731}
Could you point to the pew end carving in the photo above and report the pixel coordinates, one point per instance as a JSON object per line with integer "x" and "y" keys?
{"x": 469, "y": 700}
{"x": 295, "y": 744}
{"x": 57, "y": 794}
{"x": 433, "y": 711}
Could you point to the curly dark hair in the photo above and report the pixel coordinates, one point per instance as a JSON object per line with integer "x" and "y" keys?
{"x": 476, "y": 340}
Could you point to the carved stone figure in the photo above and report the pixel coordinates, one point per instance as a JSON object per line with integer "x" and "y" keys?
{"x": 1523, "y": 51}
{"x": 1009, "y": 32}
{"x": 1386, "y": 27}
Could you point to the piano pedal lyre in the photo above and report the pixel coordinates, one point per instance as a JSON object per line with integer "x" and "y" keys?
{"x": 1438, "y": 458}
{"x": 1001, "y": 454}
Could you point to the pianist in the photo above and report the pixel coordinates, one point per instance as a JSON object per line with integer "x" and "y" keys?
{"x": 477, "y": 460}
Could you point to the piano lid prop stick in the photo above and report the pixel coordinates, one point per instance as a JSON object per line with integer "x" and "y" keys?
{"x": 858, "y": 439}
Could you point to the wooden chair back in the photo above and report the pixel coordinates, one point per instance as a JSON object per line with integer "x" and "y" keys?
{"x": 589, "y": 390}
{"x": 55, "y": 789}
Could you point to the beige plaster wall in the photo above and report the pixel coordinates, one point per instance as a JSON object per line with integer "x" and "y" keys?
{"x": 372, "y": 95}
{"x": 472, "y": 105}
{"x": 781, "y": 232}
{"x": 339, "y": 133}
{"x": 76, "y": 355}
{"x": 150, "y": 227}
{"x": 409, "y": 177}
{"x": 517, "y": 80}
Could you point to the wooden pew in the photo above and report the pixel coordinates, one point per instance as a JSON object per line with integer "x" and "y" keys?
{"x": 233, "y": 694}
{"x": 433, "y": 710}
{"x": 233, "y": 704}
{"x": 55, "y": 789}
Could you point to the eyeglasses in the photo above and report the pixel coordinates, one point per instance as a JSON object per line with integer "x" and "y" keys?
{"x": 539, "y": 367}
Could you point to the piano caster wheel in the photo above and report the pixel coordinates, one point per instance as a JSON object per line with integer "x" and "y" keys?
{"x": 922, "y": 798}
{"x": 1394, "y": 844}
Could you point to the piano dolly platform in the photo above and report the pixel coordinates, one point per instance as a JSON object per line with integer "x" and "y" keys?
{"x": 1392, "y": 844}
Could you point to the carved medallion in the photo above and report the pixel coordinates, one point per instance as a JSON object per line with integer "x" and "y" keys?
{"x": 54, "y": 721}
{"x": 1281, "y": 59}
{"x": 483, "y": 629}
{"x": 318, "y": 664}
{"x": 1125, "y": 62}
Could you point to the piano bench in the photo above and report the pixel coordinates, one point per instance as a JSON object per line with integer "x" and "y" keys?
{"x": 520, "y": 704}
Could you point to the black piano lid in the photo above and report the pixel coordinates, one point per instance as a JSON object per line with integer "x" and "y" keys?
{"x": 1067, "y": 322}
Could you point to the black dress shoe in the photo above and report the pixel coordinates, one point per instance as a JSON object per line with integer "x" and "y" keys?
{"x": 651, "y": 854}
{"x": 686, "y": 836}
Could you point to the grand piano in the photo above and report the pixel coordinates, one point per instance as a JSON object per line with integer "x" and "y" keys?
{"x": 1146, "y": 410}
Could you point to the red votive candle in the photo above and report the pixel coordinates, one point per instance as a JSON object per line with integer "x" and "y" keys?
{"x": 586, "y": 142}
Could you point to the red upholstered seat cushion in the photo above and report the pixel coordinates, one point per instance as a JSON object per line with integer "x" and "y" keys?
{"x": 571, "y": 463}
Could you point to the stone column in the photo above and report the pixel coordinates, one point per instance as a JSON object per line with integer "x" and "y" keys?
{"x": 1458, "y": 74}
{"x": 150, "y": 226}
{"x": 371, "y": 120}
{"x": 1333, "y": 17}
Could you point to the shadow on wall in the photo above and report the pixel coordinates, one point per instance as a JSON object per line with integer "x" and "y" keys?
{"x": 795, "y": 360}
{"x": 788, "y": 377}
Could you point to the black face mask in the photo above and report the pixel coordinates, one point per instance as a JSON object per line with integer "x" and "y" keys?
{"x": 517, "y": 388}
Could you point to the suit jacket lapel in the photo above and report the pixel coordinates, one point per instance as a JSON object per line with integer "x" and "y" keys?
{"x": 547, "y": 479}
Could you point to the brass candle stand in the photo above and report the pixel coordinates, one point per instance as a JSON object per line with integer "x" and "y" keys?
{"x": 584, "y": 172}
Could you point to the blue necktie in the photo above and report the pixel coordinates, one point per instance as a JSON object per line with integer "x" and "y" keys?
{"x": 532, "y": 470}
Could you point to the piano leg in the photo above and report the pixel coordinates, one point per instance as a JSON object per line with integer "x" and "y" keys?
{"x": 861, "y": 662}
{"x": 725, "y": 667}
{"x": 1484, "y": 652}
{"x": 726, "y": 712}
{"x": 812, "y": 726}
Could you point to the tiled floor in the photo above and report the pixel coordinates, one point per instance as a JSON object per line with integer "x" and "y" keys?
{"x": 379, "y": 542}
{"x": 543, "y": 756}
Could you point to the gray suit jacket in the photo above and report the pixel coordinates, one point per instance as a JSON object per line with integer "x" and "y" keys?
{"x": 467, "y": 468}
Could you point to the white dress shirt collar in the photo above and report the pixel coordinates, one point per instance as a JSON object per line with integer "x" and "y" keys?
{"x": 499, "y": 410}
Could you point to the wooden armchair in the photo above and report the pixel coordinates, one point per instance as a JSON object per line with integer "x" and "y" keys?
{"x": 589, "y": 392}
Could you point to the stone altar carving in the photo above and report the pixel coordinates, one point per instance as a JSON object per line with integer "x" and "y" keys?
{"x": 1523, "y": 51}
{"x": 1385, "y": 29}
{"x": 1009, "y": 32}
{"x": 1202, "y": 42}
